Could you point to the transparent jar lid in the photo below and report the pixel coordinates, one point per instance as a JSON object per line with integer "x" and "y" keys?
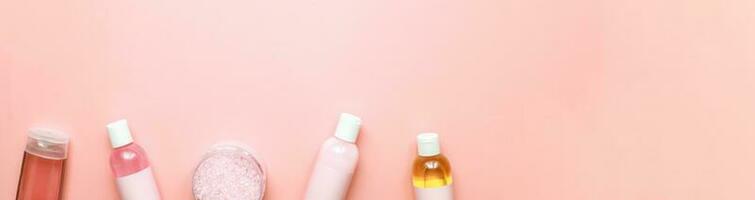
{"x": 47, "y": 143}
{"x": 229, "y": 171}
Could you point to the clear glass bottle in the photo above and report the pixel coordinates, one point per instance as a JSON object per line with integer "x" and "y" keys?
{"x": 431, "y": 173}
{"x": 43, "y": 165}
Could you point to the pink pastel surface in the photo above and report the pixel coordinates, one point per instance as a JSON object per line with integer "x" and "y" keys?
{"x": 534, "y": 99}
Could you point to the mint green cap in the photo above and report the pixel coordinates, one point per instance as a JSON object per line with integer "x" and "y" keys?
{"x": 428, "y": 144}
{"x": 348, "y": 127}
{"x": 119, "y": 133}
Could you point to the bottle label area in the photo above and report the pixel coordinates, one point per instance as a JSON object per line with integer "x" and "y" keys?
{"x": 138, "y": 186}
{"x": 328, "y": 184}
{"x": 441, "y": 193}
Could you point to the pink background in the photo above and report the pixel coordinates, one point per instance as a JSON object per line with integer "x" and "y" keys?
{"x": 534, "y": 99}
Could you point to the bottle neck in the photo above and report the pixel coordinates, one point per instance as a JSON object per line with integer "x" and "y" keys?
{"x": 428, "y": 155}
{"x": 123, "y": 146}
{"x": 344, "y": 140}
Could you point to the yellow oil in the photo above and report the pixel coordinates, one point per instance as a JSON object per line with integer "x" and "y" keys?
{"x": 431, "y": 172}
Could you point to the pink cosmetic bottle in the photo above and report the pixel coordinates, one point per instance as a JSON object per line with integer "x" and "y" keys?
{"x": 43, "y": 165}
{"x": 336, "y": 162}
{"x": 130, "y": 165}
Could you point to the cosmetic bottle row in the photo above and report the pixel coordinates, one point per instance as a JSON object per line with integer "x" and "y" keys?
{"x": 230, "y": 170}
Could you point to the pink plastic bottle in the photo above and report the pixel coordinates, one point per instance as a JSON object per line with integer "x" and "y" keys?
{"x": 43, "y": 165}
{"x": 130, "y": 165}
{"x": 336, "y": 162}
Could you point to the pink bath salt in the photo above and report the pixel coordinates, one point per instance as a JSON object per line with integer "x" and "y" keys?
{"x": 229, "y": 172}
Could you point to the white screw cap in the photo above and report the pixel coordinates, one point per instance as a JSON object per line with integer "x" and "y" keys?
{"x": 348, "y": 127}
{"x": 428, "y": 144}
{"x": 119, "y": 133}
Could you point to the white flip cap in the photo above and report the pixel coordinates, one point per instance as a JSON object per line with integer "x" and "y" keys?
{"x": 119, "y": 133}
{"x": 348, "y": 127}
{"x": 428, "y": 144}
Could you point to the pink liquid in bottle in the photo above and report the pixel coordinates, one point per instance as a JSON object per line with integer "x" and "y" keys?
{"x": 127, "y": 160}
{"x": 130, "y": 165}
{"x": 43, "y": 165}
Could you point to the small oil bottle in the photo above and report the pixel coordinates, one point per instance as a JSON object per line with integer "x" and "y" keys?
{"x": 431, "y": 175}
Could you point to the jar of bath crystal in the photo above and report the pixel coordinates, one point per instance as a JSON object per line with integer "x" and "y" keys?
{"x": 229, "y": 171}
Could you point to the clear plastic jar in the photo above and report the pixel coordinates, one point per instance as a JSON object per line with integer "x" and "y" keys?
{"x": 229, "y": 171}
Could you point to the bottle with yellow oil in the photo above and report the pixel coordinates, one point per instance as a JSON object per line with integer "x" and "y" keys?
{"x": 431, "y": 175}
